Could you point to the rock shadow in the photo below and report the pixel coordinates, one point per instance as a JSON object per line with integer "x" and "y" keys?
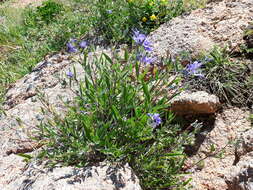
{"x": 207, "y": 121}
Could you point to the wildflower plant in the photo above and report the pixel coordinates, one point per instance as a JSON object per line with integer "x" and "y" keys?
{"x": 115, "y": 19}
{"x": 44, "y": 14}
{"x": 73, "y": 46}
{"x": 120, "y": 116}
{"x": 216, "y": 73}
{"x": 143, "y": 47}
{"x": 155, "y": 119}
{"x": 194, "y": 69}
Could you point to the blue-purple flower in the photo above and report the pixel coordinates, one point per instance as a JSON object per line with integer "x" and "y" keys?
{"x": 141, "y": 40}
{"x": 156, "y": 119}
{"x": 147, "y": 45}
{"x": 138, "y": 37}
{"x": 109, "y": 11}
{"x": 73, "y": 45}
{"x": 71, "y": 48}
{"x": 194, "y": 69}
{"x": 69, "y": 74}
{"x": 83, "y": 44}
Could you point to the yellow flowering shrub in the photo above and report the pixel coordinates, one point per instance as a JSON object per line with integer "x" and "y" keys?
{"x": 117, "y": 18}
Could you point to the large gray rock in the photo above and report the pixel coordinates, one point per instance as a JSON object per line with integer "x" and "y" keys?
{"x": 23, "y": 107}
{"x": 220, "y": 23}
{"x": 199, "y": 102}
{"x": 101, "y": 177}
{"x": 23, "y": 113}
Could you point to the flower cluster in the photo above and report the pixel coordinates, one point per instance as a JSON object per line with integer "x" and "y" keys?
{"x": 151, "y": 18}
{"x": 141, "y": 41}
{"x": 73, "y": 45}
{"x": 71, "y": 48}
{"x": 194, "y": 69}
{"x": 155, "y": 118}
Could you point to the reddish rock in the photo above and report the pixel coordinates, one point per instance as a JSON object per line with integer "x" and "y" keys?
{"x": 199, "y": 102}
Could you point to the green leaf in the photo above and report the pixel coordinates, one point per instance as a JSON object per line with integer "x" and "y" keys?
{"x": 115, "y": 112}
{"x": 26, "y": 156}
{"x": 174, "y": 154}
{"x": 107, "y": 58}
{"x": 146, "y": 91}
{"x": 137, "y": 69}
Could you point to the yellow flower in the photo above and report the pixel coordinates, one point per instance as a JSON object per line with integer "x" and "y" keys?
{"x": 130, "y": 1}
{"x": 144, "y": 19}
{"x": 151, "y": 3}
{"x": 153, "y": 17}
{"x": 164, "y": 2}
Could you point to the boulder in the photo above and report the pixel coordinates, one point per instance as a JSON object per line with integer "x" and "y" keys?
{"x": 199, "y": 102}
{"x": 101, "y": 177}
{"x": 22, "y": 112}
{"x": 220, "y": 23}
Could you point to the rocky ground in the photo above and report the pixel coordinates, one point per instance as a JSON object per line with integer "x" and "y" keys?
{"x": 214, "y": 171}
{"x": 220, "y": 23}
{"x": 224, "y": 151}
{"x": 23, "y": 3}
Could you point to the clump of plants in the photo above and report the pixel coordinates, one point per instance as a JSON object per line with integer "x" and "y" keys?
{"x": 44, "y": 14}
{"x": 115, "y": 19}
{"x": 121, "y": 114}
{"x": 217, "y": 74}
{"x": 28, "y": 37}
{"x": 29, "y": 34}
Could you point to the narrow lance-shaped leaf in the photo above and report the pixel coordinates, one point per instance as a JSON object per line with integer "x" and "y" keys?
{"x": 107, "y": 58}
{"x": 115, "y": 112}
{"x": 146, "y": 90}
